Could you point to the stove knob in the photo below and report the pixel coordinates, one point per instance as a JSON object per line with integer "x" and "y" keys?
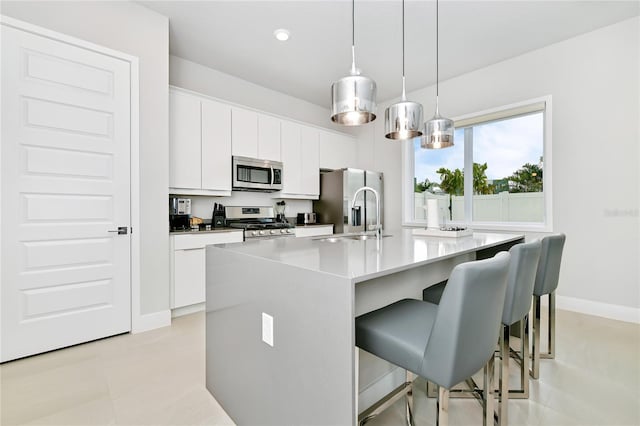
{"x": 283, "y": 231}
{"x": 261, "y": 233}
{"x": 289, "y": 231}
{"x": 254, "y": 233}
{"x": 273, "y": 232}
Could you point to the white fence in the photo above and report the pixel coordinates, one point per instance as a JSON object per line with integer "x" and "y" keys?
{"x": 502, "y": 207}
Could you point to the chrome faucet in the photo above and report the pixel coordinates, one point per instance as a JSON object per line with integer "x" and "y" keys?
{"x": 353, "y": 204}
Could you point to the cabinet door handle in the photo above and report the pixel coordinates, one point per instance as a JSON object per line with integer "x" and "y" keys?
{"x": 192, "y": 249}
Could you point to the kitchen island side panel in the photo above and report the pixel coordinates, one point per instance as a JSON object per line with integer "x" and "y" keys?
{"x": 304, "y": 378}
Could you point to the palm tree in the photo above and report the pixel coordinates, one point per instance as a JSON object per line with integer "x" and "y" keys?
{"x": 527, "y": 178}
{"x": 451, "y": 182}
{"x": 480, "y": 184}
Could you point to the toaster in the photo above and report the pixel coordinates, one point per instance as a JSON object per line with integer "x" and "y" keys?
{"x": 306, "y": 218}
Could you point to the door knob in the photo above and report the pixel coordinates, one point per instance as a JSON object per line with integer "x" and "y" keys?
{"x": 122, "y": 230}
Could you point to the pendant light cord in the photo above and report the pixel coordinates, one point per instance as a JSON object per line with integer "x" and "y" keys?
{"x": 404, "y": 95}
{"x": 437, "y": 56}
{"x": 354, "y": 70}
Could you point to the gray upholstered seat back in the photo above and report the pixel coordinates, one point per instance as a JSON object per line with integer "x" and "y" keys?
{"x": 467, "y": 324}
{"x": 549, "y": 265}
{"x": 520, "y": 280}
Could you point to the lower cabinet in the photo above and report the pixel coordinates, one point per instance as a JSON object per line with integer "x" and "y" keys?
{"x": 313, "y": 231}
{"x": 188, "y": 265}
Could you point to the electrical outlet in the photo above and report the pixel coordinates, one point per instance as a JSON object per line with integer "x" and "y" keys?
{"x": 267, "y": 329}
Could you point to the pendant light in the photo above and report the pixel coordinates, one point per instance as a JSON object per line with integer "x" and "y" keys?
{"x": 403, "y": 119}
{"x": 438, "y": 132}
{"x": 353, "y": 98}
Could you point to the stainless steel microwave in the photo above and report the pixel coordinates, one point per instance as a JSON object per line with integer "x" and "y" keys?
{"x": 250, "y": 174}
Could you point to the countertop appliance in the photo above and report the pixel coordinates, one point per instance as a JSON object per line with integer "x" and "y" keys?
{"x": 217, "y": 217}
{"x": 337, "y": 189}
{"x": 257, "y": 222}
{"x": 179, "y": 213}
{"x": 250, "y": 174}
{"x": 306, "y": 218}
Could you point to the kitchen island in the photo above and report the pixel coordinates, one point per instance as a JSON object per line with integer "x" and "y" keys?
{"x": 280, "y": 342}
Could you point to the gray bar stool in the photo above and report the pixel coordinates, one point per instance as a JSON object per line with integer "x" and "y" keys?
{"x": 443, "y": 343}
{"x": 517, "y": 303}
{"x": 546, "y": 284}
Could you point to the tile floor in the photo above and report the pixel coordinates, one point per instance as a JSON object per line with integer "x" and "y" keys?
{"x": 157, "y": 378}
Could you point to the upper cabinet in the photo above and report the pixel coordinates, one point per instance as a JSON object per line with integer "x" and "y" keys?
{"x": 244, "y": 132}
{"x": 199, "y": 145}
{"x": 205, "y": 133}
{"x": 255, "y": 135}
{"x": 337, "y": 151}
{"x": 269, "y": 138}
{"x": 301, "y": 169}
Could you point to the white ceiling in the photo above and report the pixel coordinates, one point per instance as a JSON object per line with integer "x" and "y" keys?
{"x": 236, "y": 37}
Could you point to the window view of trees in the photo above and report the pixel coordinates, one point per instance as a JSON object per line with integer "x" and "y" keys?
{"x": 505, "y": 158}
{"x": 527, "y": 178}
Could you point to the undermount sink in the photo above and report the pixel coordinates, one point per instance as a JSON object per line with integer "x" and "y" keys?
{"x": 357, "y": 237}
{"x": 361, "y": 237}
{"x": 329, "y": 239}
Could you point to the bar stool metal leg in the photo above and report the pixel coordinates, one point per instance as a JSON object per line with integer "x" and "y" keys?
{"x": 488, "y": 406}
{"x": 405, "y": 389}
{"x": 551, "y": 329}
{"x": 442, "y": 416}
{"x": 535, "y": 352}
{"x": 524, "y": 359}
{"x": 409, "y": 399}
{"x": 503, "y": 383}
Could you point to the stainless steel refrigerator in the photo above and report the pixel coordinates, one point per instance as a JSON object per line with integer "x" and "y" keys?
{"x": 336, "y": 195}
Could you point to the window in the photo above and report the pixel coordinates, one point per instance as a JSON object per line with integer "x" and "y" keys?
{"x": 493, "y": 177}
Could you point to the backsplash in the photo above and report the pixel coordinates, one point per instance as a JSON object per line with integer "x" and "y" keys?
{"x": 202, "y": 206}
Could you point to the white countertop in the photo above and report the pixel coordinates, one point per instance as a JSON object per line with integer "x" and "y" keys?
{"x": 361, "y": 260}
{"x": 210, "y": 231}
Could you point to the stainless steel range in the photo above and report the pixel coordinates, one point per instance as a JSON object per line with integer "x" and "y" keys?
{"x": 258, "y": 222}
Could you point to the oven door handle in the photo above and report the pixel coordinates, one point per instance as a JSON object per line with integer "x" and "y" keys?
{"x": 272, "y": 178}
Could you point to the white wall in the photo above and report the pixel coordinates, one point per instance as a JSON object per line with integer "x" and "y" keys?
{"x": 135, "y": 30}
{"x": 594, "y": 82}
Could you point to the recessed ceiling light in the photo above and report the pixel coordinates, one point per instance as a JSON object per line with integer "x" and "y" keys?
{"x": 281, "y": 34}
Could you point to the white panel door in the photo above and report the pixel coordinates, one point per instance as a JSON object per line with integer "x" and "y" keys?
{"x": 65, "y": 160}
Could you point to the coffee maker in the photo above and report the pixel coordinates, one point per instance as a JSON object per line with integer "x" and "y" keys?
{"x": 179, "y": 214}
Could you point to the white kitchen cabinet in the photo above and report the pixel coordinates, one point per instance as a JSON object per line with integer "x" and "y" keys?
{"x": 188, "y": 280}
{"x": 268, "y": 138}
{"x": 255, "y": 135}
{"x": 216, "y": 146}
{"x": 199, "y": 145}
{"x": 244, "y": 133}
{"x": 337, "y": 151}
{"x": 299, "y": 153}
{"x": 310, "y": 161}
{"x": 313, "y": 231}
{"x": 184, "y": 141}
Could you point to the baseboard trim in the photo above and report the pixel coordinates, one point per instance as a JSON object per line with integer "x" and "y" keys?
{"x": 186, "y": 310}
{"x": 146, "y": 322}
{"x": 378, "y": 390}
{"x": 599, "y": 309}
